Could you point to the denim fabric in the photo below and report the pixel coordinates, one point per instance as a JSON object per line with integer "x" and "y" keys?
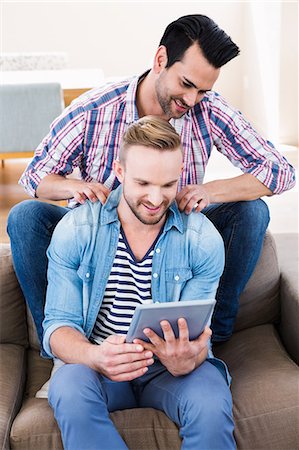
{"x": 199, "y": 403}
{"x": 242, "y": 226}
{"x": 187, "y": 263}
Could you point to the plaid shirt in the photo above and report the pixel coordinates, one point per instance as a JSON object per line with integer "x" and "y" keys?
{"x": 87, "y": 135}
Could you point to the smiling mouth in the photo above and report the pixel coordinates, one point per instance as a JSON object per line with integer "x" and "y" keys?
{"x": 180, "y": 106}
{"x": 152, "y": 209}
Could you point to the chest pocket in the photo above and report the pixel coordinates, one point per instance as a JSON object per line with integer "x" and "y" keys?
{"x": 176, "y": 279}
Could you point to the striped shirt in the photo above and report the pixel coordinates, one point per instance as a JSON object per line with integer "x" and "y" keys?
{"x": 88, "y": 133}
{"x": 129, "y": 285}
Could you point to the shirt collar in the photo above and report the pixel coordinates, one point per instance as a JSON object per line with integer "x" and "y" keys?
{"x": 131, "y": 107}
{"x": 109, "y": 212}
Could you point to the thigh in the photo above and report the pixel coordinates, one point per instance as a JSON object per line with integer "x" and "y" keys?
{"x": 81, "y": 382}
{"x": 205, "y": 387}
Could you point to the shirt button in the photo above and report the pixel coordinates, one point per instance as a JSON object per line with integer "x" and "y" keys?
{"x": 155, "y": 275}
{"x": 158, "y": 250}
{"x": 176, "y": 278}
{"x": 87, "y": 275}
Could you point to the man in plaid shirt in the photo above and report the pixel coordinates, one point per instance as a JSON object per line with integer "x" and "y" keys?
{"x": 178, "y": 88}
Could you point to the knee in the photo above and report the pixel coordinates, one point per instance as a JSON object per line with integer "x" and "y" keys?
{"x": 253, "y": 214}
{"x": 213, "y": 408}
{"x": 20, "y": 215}
{"x": 259, "y": 211}
{"x": 71, "y": 389}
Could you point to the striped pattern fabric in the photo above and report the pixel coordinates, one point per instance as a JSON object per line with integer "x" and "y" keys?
{"x": 88, "y": 133}
{"x": 129, "y": 285}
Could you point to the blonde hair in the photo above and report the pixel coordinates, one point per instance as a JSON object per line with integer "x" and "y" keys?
{"x": 150, "y": 131}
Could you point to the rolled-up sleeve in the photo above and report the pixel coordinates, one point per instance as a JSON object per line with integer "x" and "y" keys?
{"x": 59, "y": 152}
{"x": 234, "y": 137}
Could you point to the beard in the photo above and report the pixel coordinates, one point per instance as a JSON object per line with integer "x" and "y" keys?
{"x": 140, "y": 213}
{"x": 166, "y": 102}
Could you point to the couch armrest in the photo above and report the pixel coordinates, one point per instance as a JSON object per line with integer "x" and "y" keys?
{"x": 13, "y": 325}
{"x": 12, "y": 381}
{"x": 287, "y": 249}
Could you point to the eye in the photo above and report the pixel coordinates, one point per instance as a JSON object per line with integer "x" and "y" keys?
{"x": 186, "y": 84}
{"x": 142, "y": 183}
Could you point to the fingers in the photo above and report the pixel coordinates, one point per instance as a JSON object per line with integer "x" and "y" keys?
{"x": 192, "y": 197}
{"x": 203, "y": 339}
{"x": 129, "y": 376}
{"x": 119, "y": 346}
{"x": 153, "y": 337}
{"x": 121, "y": 361}
{"x": 91, "y": 191}
{"x": 168, "y": 333}
{"x": 183, "y": 330}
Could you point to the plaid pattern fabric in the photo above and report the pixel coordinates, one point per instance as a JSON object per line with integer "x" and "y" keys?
{"x": 88, "y": 134}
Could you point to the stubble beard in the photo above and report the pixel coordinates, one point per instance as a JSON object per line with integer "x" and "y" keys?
{"x": 134, "y": 208}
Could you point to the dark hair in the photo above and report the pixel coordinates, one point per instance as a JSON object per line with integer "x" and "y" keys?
{"x": 216, "y": 46}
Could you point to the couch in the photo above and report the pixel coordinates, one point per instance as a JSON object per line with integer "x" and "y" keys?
{"x": 262, "y": 356}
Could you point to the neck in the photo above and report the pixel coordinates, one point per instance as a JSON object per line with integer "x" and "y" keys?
{"x": 146, "y": 98}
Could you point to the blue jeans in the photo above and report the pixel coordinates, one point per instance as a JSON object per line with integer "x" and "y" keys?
{"x": 199, "y": 403}
{"x": 241, "y": 224}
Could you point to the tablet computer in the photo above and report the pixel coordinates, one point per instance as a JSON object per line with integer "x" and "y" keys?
{"x": 196, "y": 312}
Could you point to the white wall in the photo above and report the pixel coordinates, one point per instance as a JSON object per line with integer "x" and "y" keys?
{"x": 121, "y": 38}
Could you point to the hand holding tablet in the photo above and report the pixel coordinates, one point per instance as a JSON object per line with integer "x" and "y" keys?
{"x": 197, "y": 313}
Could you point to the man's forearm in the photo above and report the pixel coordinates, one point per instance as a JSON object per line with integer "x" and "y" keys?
{"x": 70, "y": 346}
{"x": 56, "y": 187}
{"x": 243, "y": 187}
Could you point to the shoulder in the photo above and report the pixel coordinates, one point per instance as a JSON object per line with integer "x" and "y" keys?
{"x": 202, "y": 231}
{"x": 78, "y": 223}
{"x": 86, "y": 214}
{"x": 103, "y": 96}
{"x": 213, "y": 103}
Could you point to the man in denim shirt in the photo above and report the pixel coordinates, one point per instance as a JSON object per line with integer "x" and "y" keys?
{"x": 103, "y": 261}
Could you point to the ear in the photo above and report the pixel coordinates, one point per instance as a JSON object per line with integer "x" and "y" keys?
{"x": 119, "y": 170}
{"x": 160, "y": 60}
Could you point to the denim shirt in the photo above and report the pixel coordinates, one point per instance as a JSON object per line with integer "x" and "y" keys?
{"x": 187, "y": 263}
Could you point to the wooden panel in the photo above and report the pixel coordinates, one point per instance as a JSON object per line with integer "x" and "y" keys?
{"x": 70, "y": 94}
{"x": 12, "y": 155}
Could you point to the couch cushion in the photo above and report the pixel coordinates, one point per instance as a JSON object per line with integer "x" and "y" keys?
{"x": 265, "y": 389}
{"x": 13, "y": 328}
{"x": 259, "y": 302}
{"x": 36, "y": 428}
{"x": 12, "y": 380}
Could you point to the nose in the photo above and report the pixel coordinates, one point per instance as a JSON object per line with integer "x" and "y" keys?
{"x": 192, "y": 98}
{"x": 155, "y": 197}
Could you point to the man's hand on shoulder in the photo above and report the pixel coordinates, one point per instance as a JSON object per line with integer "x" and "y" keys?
{"x": 193, "y": 196}
{"x": 179, "y": 355}
{"x": 82, "y": 190}
{"x": 118, "y": 360}
{"x": 58, "y": 187}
